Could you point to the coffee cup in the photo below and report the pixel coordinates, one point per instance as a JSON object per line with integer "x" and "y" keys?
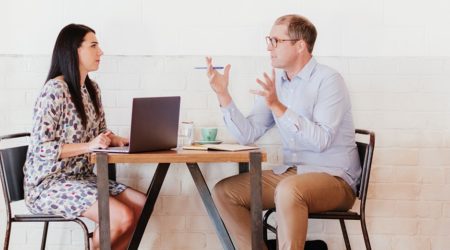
{"x": 209, "y": 134}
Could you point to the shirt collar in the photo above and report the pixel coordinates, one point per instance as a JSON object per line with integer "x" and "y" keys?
{"x": 305, "y": 73}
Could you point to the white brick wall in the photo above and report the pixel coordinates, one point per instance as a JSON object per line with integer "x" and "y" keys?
{"x": 198, "y": 27}
{"x": 404, "y": 100}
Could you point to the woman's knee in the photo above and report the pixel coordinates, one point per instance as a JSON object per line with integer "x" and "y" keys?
{"x": 122, "y": 218}
{"x": 141, "y": 201}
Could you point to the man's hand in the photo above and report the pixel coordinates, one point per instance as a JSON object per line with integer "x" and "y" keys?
{"x": 219, "y": 82}
{"x": 269, "y": 92}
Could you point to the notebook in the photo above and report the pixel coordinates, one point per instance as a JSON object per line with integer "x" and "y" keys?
{"x": 220, "y": 147}
{"x": 154, "y": 125}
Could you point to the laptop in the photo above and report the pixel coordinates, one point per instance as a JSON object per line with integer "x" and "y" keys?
{"x": 154, "y": 125}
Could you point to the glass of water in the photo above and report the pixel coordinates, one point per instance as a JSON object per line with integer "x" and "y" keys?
{"x": 186, "y": 134}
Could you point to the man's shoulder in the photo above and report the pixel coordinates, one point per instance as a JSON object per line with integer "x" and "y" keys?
{"x": 327, "y": 76}
{"x": 326, "y": 71}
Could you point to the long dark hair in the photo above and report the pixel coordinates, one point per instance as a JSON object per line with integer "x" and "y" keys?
{"x": 65, "y": 62}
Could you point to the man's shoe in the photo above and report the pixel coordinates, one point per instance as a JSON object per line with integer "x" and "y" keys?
{"x": 309, "y": 245}
{"x": 315, "y": 245}
{"x": 271, "y": 244}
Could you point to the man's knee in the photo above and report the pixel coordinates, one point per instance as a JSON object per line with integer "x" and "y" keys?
{"x": 219, "y": 191}
{"x": 290, "y": 192}
{"x": 231, "y": 190}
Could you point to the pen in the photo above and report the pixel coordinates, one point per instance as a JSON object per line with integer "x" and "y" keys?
{"x": 207, "y": 67}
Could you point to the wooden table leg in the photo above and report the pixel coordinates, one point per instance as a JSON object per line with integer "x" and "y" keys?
{"x": 152, "y": 195}
{"x": 205, "y": 194}
{"x": 103, "y": 200}
{"x": 256, "y": 200}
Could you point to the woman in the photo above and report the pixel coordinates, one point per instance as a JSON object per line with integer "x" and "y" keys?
{"x": 69, "y": 122}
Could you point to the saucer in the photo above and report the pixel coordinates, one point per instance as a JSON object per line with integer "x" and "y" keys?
{"x": 208, "y": 142}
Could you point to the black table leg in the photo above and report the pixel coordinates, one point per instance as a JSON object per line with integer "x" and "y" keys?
{"x": 210, "y": 207}
{"x": 103, "y": 200}
{"x": 152, "y": 195}
{"x": 256, "y": 200}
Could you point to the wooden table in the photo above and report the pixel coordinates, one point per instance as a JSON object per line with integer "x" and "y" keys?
{"x": 247, "y": 160}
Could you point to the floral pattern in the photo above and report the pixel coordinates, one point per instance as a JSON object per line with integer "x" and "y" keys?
{"x": 66, "y": 186}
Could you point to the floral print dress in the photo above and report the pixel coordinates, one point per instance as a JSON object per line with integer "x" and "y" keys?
{"x": 66, "y": 186}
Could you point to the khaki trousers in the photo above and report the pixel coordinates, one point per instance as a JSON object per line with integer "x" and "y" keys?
{"x": 293, "y": 195}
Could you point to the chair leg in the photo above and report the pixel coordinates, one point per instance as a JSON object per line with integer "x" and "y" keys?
{"x": 265, "y": 234}
{"x": 44, "y": 236}
{"x": 7, "y": 235}
{"x": 365, "y": 233}
{"x": 344, "y": 233}
{"x": 86, "y": 233}
{"x": 276, "y": 237}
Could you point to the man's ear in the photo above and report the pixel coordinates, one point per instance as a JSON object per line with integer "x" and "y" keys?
{"x": 302, "y": 46}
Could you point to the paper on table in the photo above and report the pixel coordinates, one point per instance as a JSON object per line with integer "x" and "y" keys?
{"x": 220, "y": 147}
{"x": 196, "y": 147}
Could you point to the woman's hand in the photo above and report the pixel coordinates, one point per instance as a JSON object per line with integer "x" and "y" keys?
{"x": 117, "y": 141}
{"x": 101, "y": 141}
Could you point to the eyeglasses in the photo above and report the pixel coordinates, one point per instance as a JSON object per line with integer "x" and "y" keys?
{"x": 274, "y": 41}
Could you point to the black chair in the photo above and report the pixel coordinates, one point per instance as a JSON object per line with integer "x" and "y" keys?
{"x": 11, "y": 173}
{"x": 365, "y": 151}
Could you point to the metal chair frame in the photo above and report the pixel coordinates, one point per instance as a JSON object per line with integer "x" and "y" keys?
{"x": 12, "y": 184}
{"x": 365, "y": 151}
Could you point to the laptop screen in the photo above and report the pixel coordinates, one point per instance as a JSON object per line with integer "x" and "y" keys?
{"x": 154, "y": 123}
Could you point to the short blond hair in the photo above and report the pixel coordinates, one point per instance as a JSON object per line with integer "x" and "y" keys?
{"x": 299, "y": 27}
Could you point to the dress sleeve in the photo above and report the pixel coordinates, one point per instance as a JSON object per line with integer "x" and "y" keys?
{"x": 46, "y": 138}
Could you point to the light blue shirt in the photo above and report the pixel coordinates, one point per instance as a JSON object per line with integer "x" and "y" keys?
{"x": 317, "y": 128}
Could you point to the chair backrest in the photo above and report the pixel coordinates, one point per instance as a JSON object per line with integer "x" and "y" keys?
{"x": 12, "y": 160}
{"x": 365, "y": 151}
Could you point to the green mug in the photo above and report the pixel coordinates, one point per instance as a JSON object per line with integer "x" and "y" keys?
{"x": 209, "y": 134}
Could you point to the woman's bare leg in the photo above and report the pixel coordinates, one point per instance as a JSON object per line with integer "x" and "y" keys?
{"x": 135, "y": 201}
{"x": 122, "y": 221}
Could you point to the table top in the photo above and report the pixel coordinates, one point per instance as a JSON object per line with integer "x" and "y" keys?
{"x": 181, "y": 156}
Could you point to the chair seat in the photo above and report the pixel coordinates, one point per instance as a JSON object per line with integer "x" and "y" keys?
{"x": 40, "y": 217}
{"x": 346, "y": 215}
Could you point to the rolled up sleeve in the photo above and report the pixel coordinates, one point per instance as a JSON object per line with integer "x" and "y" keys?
{"x": 332, "y": 105}
{"x": 248, "y": 129}
{"x": 47, "y": 113}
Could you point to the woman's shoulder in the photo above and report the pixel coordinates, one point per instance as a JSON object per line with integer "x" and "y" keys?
{"x": 55, "y": 88}
{"x": 57, "y": 84}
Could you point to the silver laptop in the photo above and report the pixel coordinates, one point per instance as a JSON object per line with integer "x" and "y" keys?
{"x": 154, "y": 125}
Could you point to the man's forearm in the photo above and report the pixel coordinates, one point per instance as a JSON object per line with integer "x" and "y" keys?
{"x": 278, "y": 109}
{"x": 224, "y": 99}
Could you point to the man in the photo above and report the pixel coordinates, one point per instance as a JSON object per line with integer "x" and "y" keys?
{"x": 310, "y": 105}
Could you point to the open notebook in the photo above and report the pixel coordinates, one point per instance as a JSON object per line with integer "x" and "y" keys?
{"x": 220, "y": 147}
